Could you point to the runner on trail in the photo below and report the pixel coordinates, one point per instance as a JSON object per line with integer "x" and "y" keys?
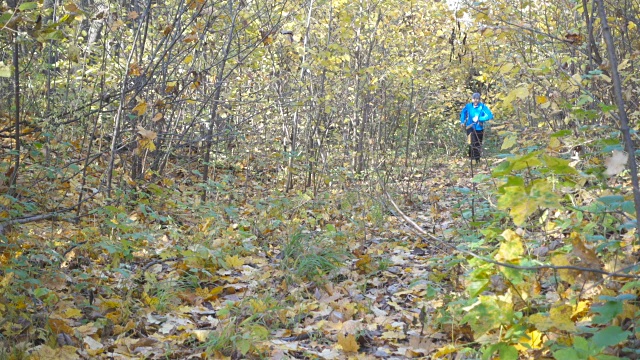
{"x": 472, "y": 119}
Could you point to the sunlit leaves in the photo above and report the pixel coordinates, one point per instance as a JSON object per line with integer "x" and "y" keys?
{"x": 523, "y": 200}
{"x": 487, "y": 313}
{"x": 558, "y": 318}
{"x": 146, "y": 139}
{"x": 511, "y": 249}
{"x": 140, "y": 108}
{"x": 134, "y": 69}
{"x": 5, "y": 70}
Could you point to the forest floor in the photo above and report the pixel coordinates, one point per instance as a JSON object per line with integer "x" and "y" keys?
{"x": 342, "y": 275}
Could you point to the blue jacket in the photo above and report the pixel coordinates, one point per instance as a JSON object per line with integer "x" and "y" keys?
{"x": 469, "y": 112}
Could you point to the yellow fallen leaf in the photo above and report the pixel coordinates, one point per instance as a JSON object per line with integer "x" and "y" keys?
{"x": 234, "y": 261}
{"x": 73, "y": 313}
{"x": 445, "y": 350}
{"x": 44, "y": 352}
{"x": 59, "y": 326}
{"x": 201, "y": 335}
{"x": 393, "y": 335}
{"x": 348, "y": 342}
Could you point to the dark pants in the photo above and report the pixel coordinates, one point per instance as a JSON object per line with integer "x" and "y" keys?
{"x": 474, "y": 139}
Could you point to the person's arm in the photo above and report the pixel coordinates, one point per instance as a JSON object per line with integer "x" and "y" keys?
{"x": 463, "y": 115}
{"x": 486, "y": 114}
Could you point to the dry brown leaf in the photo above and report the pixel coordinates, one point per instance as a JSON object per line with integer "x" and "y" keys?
{"x": 587, "y": 256}
{"x": 146, "y": 134}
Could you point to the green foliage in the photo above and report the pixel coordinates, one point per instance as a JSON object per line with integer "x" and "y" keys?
{"x": 311, "y": 258}
{"x": 240, "y": 333}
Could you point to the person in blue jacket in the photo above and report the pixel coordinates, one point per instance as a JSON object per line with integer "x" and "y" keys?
{"x": 472, "y": 119}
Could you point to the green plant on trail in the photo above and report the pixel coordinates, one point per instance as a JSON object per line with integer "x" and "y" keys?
{"x": 241, "y": 329}
{"x": 311, "y": 257}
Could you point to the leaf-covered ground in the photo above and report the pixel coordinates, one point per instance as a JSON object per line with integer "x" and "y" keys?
{"x": 257, "y": 273}
{"x": 260, "y": 275}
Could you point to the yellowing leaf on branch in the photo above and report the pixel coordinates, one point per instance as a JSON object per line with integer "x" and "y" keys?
{"x": 521, "y": 92}
{"x": 135, "y": 69}
{"x": 157, "y": 117}
{"x": 190, "y": 38}
{"x": 140, "y": 108}
{"x": 558, "y": 318}
{"x": 563, "y": 260}
{"x": 146, "y": 139}
{"x": 541, "y": 99}
{"x": 511, "y": 249}
{"x": 146, "y": 134}
{"x": 506, "y": 68}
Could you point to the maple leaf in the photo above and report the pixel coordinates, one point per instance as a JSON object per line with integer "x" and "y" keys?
{"x": 234, "y": 261}
{"x": 445, "y": 350}
{"x": 348, "y": 342}
{"x": 616, "y": 163}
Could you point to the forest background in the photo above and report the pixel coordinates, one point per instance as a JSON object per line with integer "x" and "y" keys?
{"x": 287, "y": 179}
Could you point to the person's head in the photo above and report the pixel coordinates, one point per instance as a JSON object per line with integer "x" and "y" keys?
{"x": 475, "y": 98}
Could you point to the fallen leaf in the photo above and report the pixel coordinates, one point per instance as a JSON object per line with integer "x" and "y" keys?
{"x": 348, "y": 342}
{"x": 234, "y": 261}
{"x": 44, "y": 352}
{"x": 445, "y": 350}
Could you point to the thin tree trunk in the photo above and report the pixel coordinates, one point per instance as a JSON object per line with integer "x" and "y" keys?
{"x": 13, "y": 180}
{"x": 624, "y": 121}
{"x": 216, "y": 100}
{"x": 294, "y": 130}
{"x": 118, "y": 118}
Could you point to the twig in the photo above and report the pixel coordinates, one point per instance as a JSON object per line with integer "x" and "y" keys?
{"x": 159, "y": 261}
{"x": 27, "y": 219}
{"x": 73, "y": 247}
